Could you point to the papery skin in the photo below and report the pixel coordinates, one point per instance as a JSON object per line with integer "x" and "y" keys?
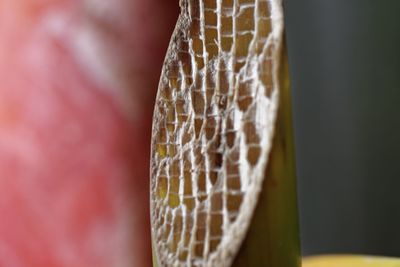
{"x": 77, "y": 85}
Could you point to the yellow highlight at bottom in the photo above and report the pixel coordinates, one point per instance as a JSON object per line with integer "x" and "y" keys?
{"x": 350, "y": 261}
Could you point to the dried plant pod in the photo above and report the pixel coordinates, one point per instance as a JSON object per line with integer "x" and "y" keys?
{"x": 213, "y": 129}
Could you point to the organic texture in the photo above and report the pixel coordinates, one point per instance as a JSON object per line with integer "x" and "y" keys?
{"x": 213, "y": 127}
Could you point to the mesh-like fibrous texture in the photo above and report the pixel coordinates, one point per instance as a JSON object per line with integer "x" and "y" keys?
{"x": 213, "y": 126}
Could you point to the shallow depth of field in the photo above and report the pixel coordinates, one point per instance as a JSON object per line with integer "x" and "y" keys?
{"x": 78, "y": 80}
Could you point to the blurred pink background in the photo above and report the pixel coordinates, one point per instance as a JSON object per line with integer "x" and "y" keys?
{"x": 77, "y": 85}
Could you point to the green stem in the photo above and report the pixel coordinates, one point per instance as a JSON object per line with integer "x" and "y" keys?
{"x": 273, "y": 237}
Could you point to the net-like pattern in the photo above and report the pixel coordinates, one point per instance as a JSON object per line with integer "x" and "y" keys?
{"x": 212, "y": 128}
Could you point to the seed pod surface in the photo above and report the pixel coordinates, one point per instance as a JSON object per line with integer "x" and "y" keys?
{"x": 213, "y": 128}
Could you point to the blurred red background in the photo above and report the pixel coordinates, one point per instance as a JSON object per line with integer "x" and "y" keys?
{"x": 77, "y": 85}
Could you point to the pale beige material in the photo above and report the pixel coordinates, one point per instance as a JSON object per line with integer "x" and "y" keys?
{"x": 213, "y": 126}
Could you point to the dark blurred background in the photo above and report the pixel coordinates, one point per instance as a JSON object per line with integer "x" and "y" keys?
{"x": 345, "y": 65}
